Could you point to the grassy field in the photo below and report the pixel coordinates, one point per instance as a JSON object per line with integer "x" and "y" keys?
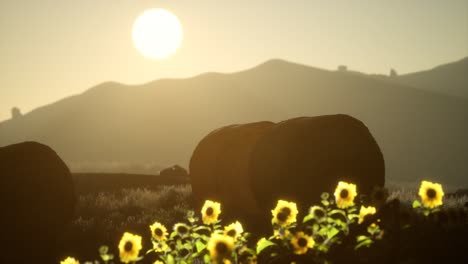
{"x": 102, "y": 217}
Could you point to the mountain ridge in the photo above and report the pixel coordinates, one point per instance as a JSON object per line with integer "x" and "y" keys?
{"x": 161, "y": 121}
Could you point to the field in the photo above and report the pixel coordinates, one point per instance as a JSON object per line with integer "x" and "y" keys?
{"x": 103, "y": 216}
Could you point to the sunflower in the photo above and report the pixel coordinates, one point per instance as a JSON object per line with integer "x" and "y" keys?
{"x": 345, "y": 194}
{"x": 365, "y": 211}
{"x": 285, "y": 213}
{"x": 431, "y": 194}
{"x": 160, "y": 246}
{"x": 220, "y": 247}
{"x": 301, "y": 243}
{"x": 210, "y": 212}
{"x": 318, "y": 213}
{"x": 233, "y": 230}
{"x": 182, "y": 229}
{"x": 129, "y": 247}
{"x": 158, "y": 231}
{"x": 158, "y": 262}
{"x": 69, "y": 260}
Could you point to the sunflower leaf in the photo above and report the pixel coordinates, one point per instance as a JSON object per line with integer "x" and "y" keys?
{"x": 337, "y": 211}
{"x": 307, "y": 218}
{"x": 332, "y": 232}
{"x": 170, "y": 259}
{"x": 200, "y": 245}
{"x": 199, "y": 228}
{"x": 262, "y": 244}
{"x": 207, "y": 258}
{"x": 364, "y": 243}
{"x": 416, "y": 204}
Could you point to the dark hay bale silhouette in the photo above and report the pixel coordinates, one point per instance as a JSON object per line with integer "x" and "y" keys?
{"x": 38, "y": 200}
{"x": 218, "y": 167}
{"x": 249, "y": 167}
{"x": 174, "y": 171}
{"x": 300, "y": 158}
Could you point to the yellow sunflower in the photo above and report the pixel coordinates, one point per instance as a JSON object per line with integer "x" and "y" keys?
{"x": 431, "y": 194}
{"x": 158, "y": 262}
{"x": 318, "y": 213}
{"x": 160, "y": 246}
{"x": 345, "y": 194}
{"x": 182, "y": 229}
{"x": 210, "y": 212}
{"x": 220, "y": 247}
{"x": 301, "y": 243}
{"x": 233, "y": 230}
{"x": 129, "y": 247}
{"x": 365, "y": 211}
{"x": 285, "y": 213}
{"x": 69, "y": 260}
{"x": 158, "y": 231}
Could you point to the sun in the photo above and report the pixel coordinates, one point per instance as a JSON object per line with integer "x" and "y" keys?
{"x": 157, "y": 34}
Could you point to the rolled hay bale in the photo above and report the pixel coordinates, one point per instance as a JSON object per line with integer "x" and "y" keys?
{"x": 38, "y": 200}
{"x": 219, "y": 167}
{"x": 300, "y": 158}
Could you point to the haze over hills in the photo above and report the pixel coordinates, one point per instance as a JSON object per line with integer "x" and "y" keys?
{"x": 451, "y": 78}
{"x": 422, "y": 133}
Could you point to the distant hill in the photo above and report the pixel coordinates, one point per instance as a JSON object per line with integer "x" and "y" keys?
{"x": 451, "y": 79}
{"x": 422, "y": 133}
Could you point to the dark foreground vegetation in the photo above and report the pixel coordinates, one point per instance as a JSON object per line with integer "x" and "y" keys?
{"x": 396, "y": 233}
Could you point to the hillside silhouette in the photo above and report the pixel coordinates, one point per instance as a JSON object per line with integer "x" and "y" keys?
{"x": 422, "y": 133}
{"x": 451, "y": 79}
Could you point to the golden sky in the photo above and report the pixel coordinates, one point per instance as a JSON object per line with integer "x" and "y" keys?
{"x": 50, "y": 49}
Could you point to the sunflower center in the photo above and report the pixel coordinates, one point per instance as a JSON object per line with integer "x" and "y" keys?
{"x": 128, "y": 246}
{"x": 344, "y": 193}
{"x": 183, "y": 252}
{"x": 281, "y": 217}
{"x": 209, "y": 211}
{"x": 319, "y": 213}
{"x": 158, "y": 232}
{"x": 231, "y": 233}
{"x": 182, "y": 229}
{"x": 302, "y": 242}
{"x": 431, "y": 193}
{"x": 221, "y": 248}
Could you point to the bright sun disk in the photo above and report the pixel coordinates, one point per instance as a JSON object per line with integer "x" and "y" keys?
{"x": 157, "y": 33}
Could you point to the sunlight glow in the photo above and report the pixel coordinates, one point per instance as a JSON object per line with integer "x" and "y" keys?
{"x": 157, "y": 33}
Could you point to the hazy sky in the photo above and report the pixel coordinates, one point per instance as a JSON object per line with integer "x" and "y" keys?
{"x": 50, "y": 49}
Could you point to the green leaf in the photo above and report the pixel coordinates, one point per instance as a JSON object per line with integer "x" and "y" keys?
{"x": 416, "y": 204}
{"x": 200, "y": 245}
{"x": 353, "y": 216}
{"x": 307, "y": 218}
{"x": 325, "y": 203}
{"x": 332, "y": 232}
{"x": 170, "y": 259}
{"x": 198, "y": 228}
{"x": 337, "y": 211}
{"x": 363, "y": 243}
{"x": 207, "y": 259}
{"x": 262, "y": 244}
{"x": 361, "y": 238}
